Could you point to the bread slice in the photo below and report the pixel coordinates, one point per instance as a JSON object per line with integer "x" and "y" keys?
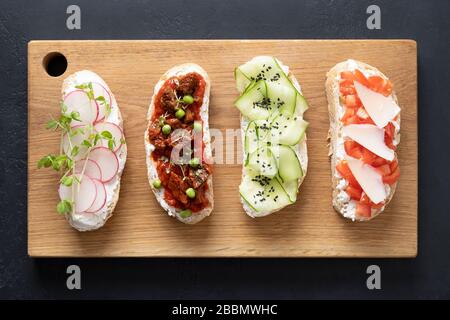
{"x": 301, "y": 151}
{"x": 335, "y": 110}
{"x": 180, "y": 70}
{"x": 92, "y": 221}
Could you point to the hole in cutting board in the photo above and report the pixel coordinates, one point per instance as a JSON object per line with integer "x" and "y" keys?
{"x": 55, "y": 64}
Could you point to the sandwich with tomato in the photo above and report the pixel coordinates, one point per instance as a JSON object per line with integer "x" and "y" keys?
{"x": 364, "y": 136}
{"x": 178, "y": 144}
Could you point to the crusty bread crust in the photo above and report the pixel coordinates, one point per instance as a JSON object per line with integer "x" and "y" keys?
{"x": 300, "y": 149}
{"x": 149, "y": 148}
{"x": 68, "y": 85}
{"x": 336, "y": 126}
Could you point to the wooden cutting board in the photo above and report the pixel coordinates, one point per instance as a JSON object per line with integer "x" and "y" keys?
{"x": 140, "y": 228}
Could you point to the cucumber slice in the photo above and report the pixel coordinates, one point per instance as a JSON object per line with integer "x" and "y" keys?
{"x": 263, "y": 193}
{"x": 289, "y": 167}
{"x": 291, "y": 188}
{"x": 254, "y": 103}
{"x": 263, "y": 162}
{"x": 269, "y": 69}
{"x": 301, "y": 105}
{"x": 249, "y": 86}
{"x": 263, "y": 130}
{"x": 287, "y": 130}
{"x": 282, "y": 97}
{"x": 265, "y": 68}
{"x": 251, "y": 140}
{"x": 242, "y": 82}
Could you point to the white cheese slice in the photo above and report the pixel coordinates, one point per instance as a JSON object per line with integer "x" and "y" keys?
{"x": 380, "y": 108}
{"x": 370, "y": 137}
{"x": 369, "y": 179}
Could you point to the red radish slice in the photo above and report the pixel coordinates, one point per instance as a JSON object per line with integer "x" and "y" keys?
{"x": 101, "y": 91}
{"x": 76, "y": 140}
{"x": 115, "y": 131}
{"x": 79, "y": 101}
{"x": 100, "y": 200}
{"x": 84, "y": 193}
{"x": 107, "y": 161}
{"x": 92, "y": 169}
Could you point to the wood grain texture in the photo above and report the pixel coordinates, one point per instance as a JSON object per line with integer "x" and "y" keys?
{"x": 139, "y": 227}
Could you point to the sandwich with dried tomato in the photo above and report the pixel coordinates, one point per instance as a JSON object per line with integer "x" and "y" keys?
{"x": 275, "y": 157}
{"x": 364, "y": 136}
{"x": 178, "y": 144}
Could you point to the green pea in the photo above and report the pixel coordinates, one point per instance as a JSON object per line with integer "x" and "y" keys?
{"x": 157, "y": 183}
{"x": 188, "y": 99}
{"x": 180, "y": 113}
{"x": 190, "y": 192}
{"x": 194, "y": 162}
{"x": 162, "y": 120}
{"x": 185, "y": 213}
{"x": 166, "y": 129}
{"x": 197, "y": 126}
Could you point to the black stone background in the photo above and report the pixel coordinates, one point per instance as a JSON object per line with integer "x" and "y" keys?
{"x": 427, "y": 276}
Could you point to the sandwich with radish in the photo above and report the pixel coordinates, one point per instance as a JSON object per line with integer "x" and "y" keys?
{"x": 364, "y": 135}
{"x": 273, "y": 132}
{"x": 92, "y": 151}
{"x": 178, "y": 144}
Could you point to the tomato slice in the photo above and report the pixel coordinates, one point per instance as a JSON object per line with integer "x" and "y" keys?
{"x": 379, "y": 161}
{"x": 366, "y": 121}
{"x": 363, "y": 210}
{"x": 349, "y": 112}
{"x": 361, "y": 78}
{"x": 366, "y": 201}
{"x": 345, "y": 83}
{"x": 349, "y": 145}
{"x": 390, "y": 143}
{"x": 353, "y": 192}
{"x": 352, "y": 101}
{"x": 352, "y": 120}
{"x": 356, "y": 153}
{"x": 389, "y": 130}
{"x": 384, "y": 170}
{"x": 387, "y": 90}
{"x": 393, "y": 177}
{"x": 344, "y": 170}
{"x": 377, "y": 83}
{"x": 368, "y": 156}
{"x": 346, "y": 90}
{"x": 348, "y": 75}
{"x": 377, "y": 206}
{"x": 394, "y": 165}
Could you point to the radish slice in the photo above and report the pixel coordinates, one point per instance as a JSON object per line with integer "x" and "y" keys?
{"x": 79, "y": 101}
{"x": 84, "y": 193}
{"x": 82, "y": 134}
{"x": 115, "y": 131}
{"x": 100, "y": 200}
{"x": 92, "y": 169}
{"x": 107, "y": 161}
{"x": 103, "y": 109}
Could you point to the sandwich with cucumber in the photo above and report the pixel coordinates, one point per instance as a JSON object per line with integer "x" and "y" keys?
{"x": 92, "y": 151}
{"x": 273, "y": 131}
{"x": 364, "y": 135}
{"x": 178, "y": 144}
